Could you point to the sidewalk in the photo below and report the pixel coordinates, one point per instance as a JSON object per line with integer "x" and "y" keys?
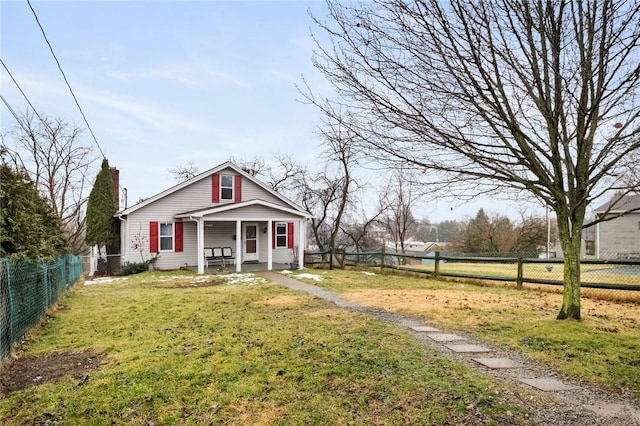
{"x": 573, "y": 402}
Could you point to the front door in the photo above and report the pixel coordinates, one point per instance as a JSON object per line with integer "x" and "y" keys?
{"x": 250, "y": 246}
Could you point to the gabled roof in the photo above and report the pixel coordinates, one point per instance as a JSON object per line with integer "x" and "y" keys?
{"x": 233, "y": 206}
{"x": 206, "y": 174}
{"x": 618, "y": 205}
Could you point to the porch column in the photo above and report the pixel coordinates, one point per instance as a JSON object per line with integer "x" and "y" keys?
{"x": 200, "y": 244}
{"x": 269, "y": 245}
{"x": 238, "y": 246}
{"x": 302, "y": 235}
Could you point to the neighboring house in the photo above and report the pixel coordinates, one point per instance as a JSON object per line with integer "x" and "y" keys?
{"x": 222, "y": 207}
{"x": 618, "y": 237}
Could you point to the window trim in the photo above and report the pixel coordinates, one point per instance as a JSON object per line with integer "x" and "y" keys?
{"x": 285, "y": 234}
{"x": 232, "y": 187}
{"x": 172, "y": 237}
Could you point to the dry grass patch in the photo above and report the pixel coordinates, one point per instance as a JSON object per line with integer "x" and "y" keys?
{"x": 457, "y": 307}
{"x": 603, "y": 348}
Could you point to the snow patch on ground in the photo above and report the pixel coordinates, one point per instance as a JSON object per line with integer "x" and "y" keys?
{"x": 368, "y": 273}
{"x": 310, "y": 277}
{"x": 234, "y": 278}
{"x": 187, "y": 278}
{"x": 104, "y": 280}
{"x": 248, "y": 278}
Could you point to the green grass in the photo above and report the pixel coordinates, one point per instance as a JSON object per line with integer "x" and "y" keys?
{"x": 242, "y": 354}
{"x": 602, "y": 348}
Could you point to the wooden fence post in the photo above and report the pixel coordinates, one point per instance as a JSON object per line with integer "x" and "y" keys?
{"x": 331, "y": 258}
{"x": 436, "y": 268}
{"x": 382, "y": 257}
{"x": 520, "y": 274}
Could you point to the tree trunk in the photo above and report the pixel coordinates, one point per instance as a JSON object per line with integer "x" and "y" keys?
{"x": 571, "y": 293}
{"x": 570, "y": 232}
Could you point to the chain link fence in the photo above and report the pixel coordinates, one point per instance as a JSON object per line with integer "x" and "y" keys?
{"x": 614, "y": 277}
{"x": 27, "y": 290}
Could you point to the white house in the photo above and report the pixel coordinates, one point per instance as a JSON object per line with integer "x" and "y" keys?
{"x": 222, "y": 208}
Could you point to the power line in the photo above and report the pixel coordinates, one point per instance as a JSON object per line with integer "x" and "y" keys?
{"x": 46, "y": 124}
{"x": 65, "y": 78}
{"x": 14, "y": 114}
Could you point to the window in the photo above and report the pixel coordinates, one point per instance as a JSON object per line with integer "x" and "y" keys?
{"x": 166, "y": 236}
{"x": 226, "y": 187}
{"x": 281, "y": 234}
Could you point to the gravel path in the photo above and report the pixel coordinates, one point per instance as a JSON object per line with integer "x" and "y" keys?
{"x": 588, "y": 405}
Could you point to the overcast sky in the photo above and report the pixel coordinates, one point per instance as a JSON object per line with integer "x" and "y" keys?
{"x": 163, "y": 83}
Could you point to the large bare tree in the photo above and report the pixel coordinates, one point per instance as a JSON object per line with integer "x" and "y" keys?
{"x": 534, "y": 96}
{"x": 399, "y": 199}
{"x": 51, "y": 151}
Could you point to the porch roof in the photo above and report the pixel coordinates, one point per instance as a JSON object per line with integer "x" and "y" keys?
{"x": 208, "y": 211}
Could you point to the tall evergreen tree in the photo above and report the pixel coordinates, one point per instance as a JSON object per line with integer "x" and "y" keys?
{"x": 101, "y": 209}
{"x": 29, "y": 227}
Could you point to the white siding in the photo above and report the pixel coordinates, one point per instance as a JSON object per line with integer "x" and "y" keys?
{"x": 251, "y": 191}
{"x": 219, "y": 229}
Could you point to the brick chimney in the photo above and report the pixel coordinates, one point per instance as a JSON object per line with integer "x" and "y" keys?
{"x": 115, "y": 180}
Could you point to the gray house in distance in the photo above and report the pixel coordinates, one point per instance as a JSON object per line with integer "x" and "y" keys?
{"x": 618, "y": 237}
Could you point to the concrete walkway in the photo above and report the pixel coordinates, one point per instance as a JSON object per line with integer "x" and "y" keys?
{"x": 572, "y": 402}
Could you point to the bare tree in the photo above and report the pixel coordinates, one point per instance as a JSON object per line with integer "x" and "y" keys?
{"x": 500, "y": 95}
{"x": 399, "y": 198}
{"x": 183, "y": 172}
{"x": 317, "y": 194}
{"x": 278, "y": 176}
{"x": 57, "y": 161}
{"x": 339, "y": 151}
{"x": 358, "y": 232}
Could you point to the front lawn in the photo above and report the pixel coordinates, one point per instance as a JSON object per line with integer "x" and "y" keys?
{"x": 176, "y": 348}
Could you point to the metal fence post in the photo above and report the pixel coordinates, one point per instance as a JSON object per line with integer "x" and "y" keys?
{"x": 5, "y": 311}
{"x": 436, "y": 267}
{"x": 382, "y": 257}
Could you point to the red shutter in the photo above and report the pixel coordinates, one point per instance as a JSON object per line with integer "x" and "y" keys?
{"x": 273, "y": 234}
{"x": 290, "y": 235}
{"x": 238, "y": 189}
{"x": 215, "y": 190}
{"x": 153, "y": 237}
{"x": 179, "y": 233}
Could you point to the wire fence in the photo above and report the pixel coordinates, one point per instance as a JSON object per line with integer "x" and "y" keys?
{"x": 27, "y": 290}
{"x": 615, "y": 278}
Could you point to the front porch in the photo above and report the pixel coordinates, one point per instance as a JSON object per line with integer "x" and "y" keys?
{"x": 267, "y": 239}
